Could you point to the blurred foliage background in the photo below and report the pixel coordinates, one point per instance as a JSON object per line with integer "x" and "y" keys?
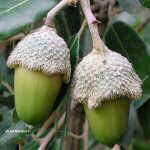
{"x": 127, "y": 32}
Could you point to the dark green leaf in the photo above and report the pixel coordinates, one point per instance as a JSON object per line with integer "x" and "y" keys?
{"x": 32, "y": 145}
{"x": 7, "y": 101}
{"x": 85, "y": 43}
{"x": 66, "y": 24}
{"x": 144, "y": 119}
{"x": 6, "y": 122}
{"x": 56, "y": 144}
{"x": 74, "y": 51}
{"x": 145, "y": 35}
{"x": 132, "y": 125}
{"x": 20, "y": 15}
{"x": 15, "y": 118}
{"x": 1, "y": 116}
{"x": 5, "y": 73}
{"x": 123, "y": 39}
{"x": 145, "y": 3}
{"x": 140, "y": 144}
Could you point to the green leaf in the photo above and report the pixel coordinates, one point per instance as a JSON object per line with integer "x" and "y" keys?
{"x": 140, "y": 144}
{"x": 74, "y": 51}
{"x": 32, "y": 145}
{"x": 56, "y": 143}
{"x": 7, "y": 101}
{"x": 122, "y": 38}
{"x": 15, "y": 118}
{"x": 5, "y": 73}
{"x": 6, "y": 122}
{"x": 132, "y": 127}
{"x": 144, "y": 119}
{"x": 65, "y": 23}
{"x": 20, "y": 15}
{"x": 145, "y": 3}
{"x": 85, "y": 42}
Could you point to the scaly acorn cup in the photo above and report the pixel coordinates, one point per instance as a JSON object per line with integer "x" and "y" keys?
{"x": 105, "y": 83}
{"x": 41, "y": 62}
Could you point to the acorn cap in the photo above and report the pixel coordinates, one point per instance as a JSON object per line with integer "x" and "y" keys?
{"x": 42, "y": 51}
{"x": 101, "y": 78}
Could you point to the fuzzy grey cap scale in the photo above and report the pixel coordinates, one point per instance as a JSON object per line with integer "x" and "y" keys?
{"x": 42, "y": 51}
{"x": 100, "y": 79}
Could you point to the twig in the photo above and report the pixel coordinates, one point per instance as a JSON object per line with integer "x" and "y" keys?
{"x": 93, "y": 25}
{"x": 35, "y": 138}
{"x": 21, "y": 146}
{"x": 9, "y": 88}
{"x": 52, "y": 133}
{"x": 85, "y": 135}
{"x": 75, "y": 136}
{"x": 55, "y": 115}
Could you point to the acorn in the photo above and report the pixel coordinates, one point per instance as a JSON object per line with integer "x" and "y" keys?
{"x": 42, "y": 63}
{"x": 105, "y": 83}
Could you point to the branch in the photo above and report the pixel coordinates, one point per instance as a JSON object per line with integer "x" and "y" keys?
{"x": 78, "y": 137}
{"x": 52, "y": 118}
{"x": 52, "y": 133}
{"x": 84, "y": 136}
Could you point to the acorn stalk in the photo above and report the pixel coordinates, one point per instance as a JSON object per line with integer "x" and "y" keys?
{"x": 41, "y": 62}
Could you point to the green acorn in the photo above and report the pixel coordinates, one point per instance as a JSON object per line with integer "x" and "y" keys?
{"x": 41, "y": 62}
{"x": 106, "y": 83}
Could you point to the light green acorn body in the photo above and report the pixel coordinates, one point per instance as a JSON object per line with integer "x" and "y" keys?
{"x": 41, "y": 62}
{"x": 35, "y": 94}
{"x": 109, "y": 123}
